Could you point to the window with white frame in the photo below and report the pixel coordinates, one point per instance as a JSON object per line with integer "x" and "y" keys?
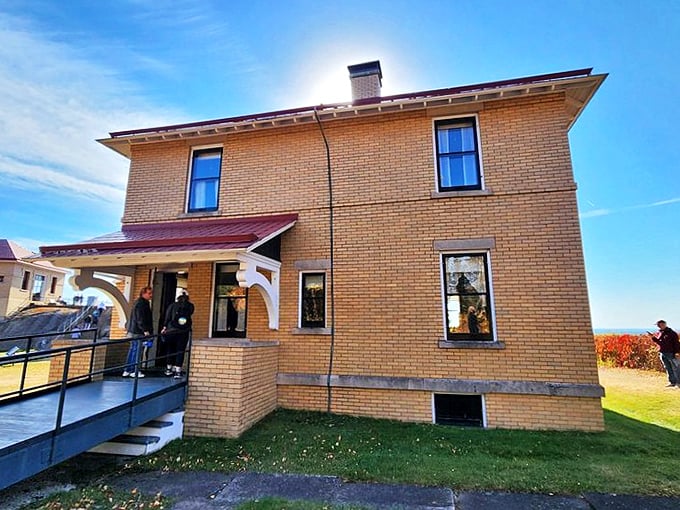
{"x": 38, "y": 287}
{"x": 312, "y": 300}
{"x": 458, "y": 162}
{"x": 204, "y": 181}
{"x": 467, "y": 297}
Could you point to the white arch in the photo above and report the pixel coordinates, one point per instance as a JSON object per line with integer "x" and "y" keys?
{"x": 249, "y": 276}
{"x": 84, "y": 278}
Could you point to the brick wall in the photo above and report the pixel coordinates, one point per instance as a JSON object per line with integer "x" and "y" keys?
{"x": 79, "y": 362}
{"x": 232, "y": 386}
{"x": 387, "y": 273}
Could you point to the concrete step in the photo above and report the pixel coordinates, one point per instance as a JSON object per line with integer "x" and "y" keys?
{"x": 147, "y": 438}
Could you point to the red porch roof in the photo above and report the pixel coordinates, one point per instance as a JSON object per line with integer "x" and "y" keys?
{"x": 204, "y": 235}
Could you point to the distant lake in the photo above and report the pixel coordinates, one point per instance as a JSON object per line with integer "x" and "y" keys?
{"x": 622, "y": 331}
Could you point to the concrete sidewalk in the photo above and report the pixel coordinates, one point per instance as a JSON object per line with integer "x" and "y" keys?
{"x": 220, "y": 491}
{"x": 194, "y": 491}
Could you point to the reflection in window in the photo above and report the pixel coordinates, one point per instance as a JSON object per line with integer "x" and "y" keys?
{"x": 205, "y": 180}
{"x": 230, "y": 303}
{"x": 313, "y": 305}
{"x": 468, "y": 312}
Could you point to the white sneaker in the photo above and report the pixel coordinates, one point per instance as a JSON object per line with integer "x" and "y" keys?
{"x": 126, "y": 374}
{"x": 138, "y": 374}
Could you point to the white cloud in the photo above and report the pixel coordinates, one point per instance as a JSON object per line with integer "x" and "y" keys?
{"x": 55, "y": 103}
{"x": 594, "y": 213}
{"x": 605, "y": 212}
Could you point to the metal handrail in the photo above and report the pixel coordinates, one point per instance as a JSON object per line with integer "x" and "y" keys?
{"x": 67, "y": 352}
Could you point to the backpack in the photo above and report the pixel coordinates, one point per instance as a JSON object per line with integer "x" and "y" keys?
{"x": 181, "y": 318}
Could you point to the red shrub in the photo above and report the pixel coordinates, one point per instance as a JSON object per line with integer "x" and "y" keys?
{"x": 629, "y": 351}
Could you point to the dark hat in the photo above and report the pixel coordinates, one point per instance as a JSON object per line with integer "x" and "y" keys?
{"x": 660, "y": 321}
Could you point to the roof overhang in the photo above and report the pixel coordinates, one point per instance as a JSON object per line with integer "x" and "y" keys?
{"x": 171, "y": 242}
{"x": 579, "y": 86}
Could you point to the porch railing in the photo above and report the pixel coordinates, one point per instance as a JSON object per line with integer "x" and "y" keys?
{"x": 11, "y": 359}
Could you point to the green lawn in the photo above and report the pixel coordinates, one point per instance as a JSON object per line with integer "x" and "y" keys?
{"x": 637, "y": 454}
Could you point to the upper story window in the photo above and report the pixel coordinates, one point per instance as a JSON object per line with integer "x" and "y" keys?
{"x": 467, "y": 297}
{"x": 206, "y": 165}
{"x": 313, "y": 300}
{"x": 458, "y": 165}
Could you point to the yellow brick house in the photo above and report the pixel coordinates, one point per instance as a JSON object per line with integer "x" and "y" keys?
{"x": 415, "y": 257}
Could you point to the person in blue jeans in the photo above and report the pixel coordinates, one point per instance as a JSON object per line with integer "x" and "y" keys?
{"x": 140, "y": 324}
{"x": 669, "y": 347}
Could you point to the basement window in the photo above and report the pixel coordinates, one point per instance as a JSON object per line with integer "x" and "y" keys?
{"x": 459, "y": 410}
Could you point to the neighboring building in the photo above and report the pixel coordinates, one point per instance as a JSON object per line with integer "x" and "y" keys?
{"x": 24, "y": 281}
{"x": 428, "y": 267}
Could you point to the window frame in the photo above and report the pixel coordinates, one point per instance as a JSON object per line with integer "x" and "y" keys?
{"x": 480, "y": 338}
{"x": 214, "y": 333}
{"x": 198, "y": 150}
{"x": 39, "y": 281}
{"x": 53, "y": 285}
{"x": 474, "y": 119}
{"x": 301, "y": 323}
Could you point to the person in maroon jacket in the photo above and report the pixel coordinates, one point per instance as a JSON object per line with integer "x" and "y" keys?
{"x": 669, "y": 347}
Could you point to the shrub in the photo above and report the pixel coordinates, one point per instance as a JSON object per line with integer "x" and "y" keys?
{"x": 628, "y": 351}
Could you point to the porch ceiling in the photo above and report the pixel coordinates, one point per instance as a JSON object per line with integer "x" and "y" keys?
{"x": 170, "y": 242}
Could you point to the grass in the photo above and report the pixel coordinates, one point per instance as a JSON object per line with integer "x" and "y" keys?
{"x": 637, "y": 454}
{"x": 10, "y": 375}
{"x": 641, "y": 395}
{"x": 101, "y": 497}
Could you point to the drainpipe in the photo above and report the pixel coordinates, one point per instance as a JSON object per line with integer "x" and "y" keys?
{"x": 332, "y": 265}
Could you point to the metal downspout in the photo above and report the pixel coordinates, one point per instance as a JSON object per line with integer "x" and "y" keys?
{"x": 332, "y": 265}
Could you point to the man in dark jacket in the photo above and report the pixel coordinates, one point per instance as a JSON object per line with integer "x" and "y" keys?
{"x": 669, "y": 347}
{"x": 140, "y": 324}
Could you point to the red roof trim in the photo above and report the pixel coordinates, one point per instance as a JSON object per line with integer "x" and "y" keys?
{"x": 178, "y": 234}
{"x": 158, "y": 243}
{"x": 529, "y": 80}
{"x": 210, "y": 222}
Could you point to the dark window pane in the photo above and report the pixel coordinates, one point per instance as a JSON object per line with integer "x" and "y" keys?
{"x": 313, "y": 305}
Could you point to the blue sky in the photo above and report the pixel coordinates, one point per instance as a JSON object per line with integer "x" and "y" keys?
{"x": 71, "y": 72}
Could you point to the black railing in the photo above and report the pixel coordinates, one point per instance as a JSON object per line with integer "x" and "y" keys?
{"x": 67, "y": 352}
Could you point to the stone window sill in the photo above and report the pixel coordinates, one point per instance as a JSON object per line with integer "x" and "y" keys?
{"x": 470, "y": 344}
{"x": 311, "y": 331}
{"x": 199, "y": 214}
{"x": 456, "y": 194}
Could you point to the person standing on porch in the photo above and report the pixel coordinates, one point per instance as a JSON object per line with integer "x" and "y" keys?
{"x": 176, "y": 330}
{"x": 140, "y": 324}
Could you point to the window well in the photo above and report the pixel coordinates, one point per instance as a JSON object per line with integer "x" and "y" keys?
{"x": 461, "y": 410}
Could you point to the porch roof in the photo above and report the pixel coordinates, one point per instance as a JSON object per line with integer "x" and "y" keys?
{"x": 160, "y": 242}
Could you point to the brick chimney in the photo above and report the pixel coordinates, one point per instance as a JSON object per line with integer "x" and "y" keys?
{"x": 366, "y": 80}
